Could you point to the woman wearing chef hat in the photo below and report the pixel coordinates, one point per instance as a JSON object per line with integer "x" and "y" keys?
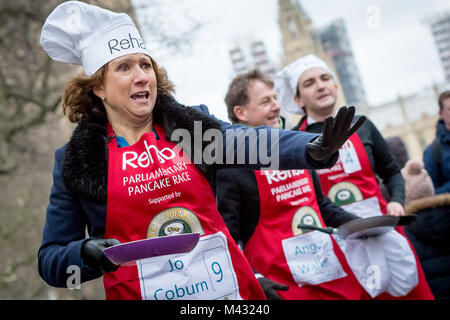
{"x": 123, "y": 178}
{"x": 308, "y": 84}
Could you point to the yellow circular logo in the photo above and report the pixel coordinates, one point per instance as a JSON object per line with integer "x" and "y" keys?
{"x": 305, "y": 215}
{"x": 343, "y": 193}
{"x": 174, "y": 221}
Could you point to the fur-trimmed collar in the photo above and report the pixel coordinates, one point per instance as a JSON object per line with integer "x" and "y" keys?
{"x": 428, "y": 202}
{"x": 85, "y": 166}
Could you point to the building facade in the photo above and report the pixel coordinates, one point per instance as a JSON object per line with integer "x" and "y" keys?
{"x": 440, "y": 28}
{"x": 412, "y": 118}
{"x": 336, "y": 43}
{"x": 250, "y": 55}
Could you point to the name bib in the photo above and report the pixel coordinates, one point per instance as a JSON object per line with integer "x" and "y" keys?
{"x": 311, "y": 258}
{"x": 349, "y": 158}
{"x": 205, "y": 273}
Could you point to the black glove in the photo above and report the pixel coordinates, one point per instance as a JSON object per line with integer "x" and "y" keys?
{"x": 269, "y": 288}
{"x": 93, "y": 256}
{"x": 334, "y": 134}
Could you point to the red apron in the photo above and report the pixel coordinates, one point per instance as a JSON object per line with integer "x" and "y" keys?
{"x": 352, "y": 179}
{"x": 154, "y": 190}
{"x": 282, "y": 252}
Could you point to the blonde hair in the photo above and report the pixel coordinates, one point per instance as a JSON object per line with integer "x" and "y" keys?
{"x": 79, "y": 98}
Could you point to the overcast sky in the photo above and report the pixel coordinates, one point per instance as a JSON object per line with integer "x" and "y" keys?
{"x": 394, "y": 50}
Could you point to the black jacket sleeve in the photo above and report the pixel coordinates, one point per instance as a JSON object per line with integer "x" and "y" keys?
{"x": 383, "y": 162}
{"x": 332, "y": 215}
{"x": 229, "y": 201}
{"x": 237, "y": 199}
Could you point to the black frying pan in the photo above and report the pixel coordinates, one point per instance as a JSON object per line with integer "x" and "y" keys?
{"x": 364, "y": 227}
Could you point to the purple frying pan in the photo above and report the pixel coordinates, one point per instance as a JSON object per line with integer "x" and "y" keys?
{"x": 127, "y": 253}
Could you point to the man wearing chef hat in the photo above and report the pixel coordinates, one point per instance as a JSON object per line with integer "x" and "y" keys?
{"x": 309, "y": 86}
{"x": 258, "y": 203}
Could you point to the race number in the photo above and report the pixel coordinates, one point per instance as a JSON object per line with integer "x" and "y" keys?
{"x": 349, "y": 158}
{"x": 205, "y": 273}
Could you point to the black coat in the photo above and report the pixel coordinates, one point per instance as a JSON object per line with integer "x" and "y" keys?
{"x": 430, "y": 236}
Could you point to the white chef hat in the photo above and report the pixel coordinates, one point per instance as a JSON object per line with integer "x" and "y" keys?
{"x": 79, "y": 33}
{"x": 286, "y": 81}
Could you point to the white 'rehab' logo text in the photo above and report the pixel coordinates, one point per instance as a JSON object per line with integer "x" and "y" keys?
{"x": 281, "y": 175}
{"x": 117, "y": 45}
{"x": 132, "y": 159}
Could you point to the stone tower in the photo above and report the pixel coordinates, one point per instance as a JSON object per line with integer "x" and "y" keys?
{"x": 299, "y": 38}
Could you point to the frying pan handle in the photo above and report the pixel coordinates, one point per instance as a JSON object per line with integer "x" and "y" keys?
{"x": 328, "y": 230}
{"x": 405, "y": 220}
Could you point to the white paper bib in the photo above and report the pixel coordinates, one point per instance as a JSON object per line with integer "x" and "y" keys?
{"x": 311, "y": 258}
{"x": 349, "y": 158}
{"x": 205, "y": 273}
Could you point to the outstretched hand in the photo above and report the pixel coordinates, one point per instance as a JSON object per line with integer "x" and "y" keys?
{"x": 334, "y": 134}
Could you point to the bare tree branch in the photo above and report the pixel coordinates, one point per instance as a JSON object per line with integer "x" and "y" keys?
{"x": 27, "y": 93}
{"x": 29, "y": 80}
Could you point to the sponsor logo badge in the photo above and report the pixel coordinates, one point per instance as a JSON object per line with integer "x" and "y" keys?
{"x": 305, "y": 215}
{"x": 344, "y": 193}
{"x": 174, "y": 221}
